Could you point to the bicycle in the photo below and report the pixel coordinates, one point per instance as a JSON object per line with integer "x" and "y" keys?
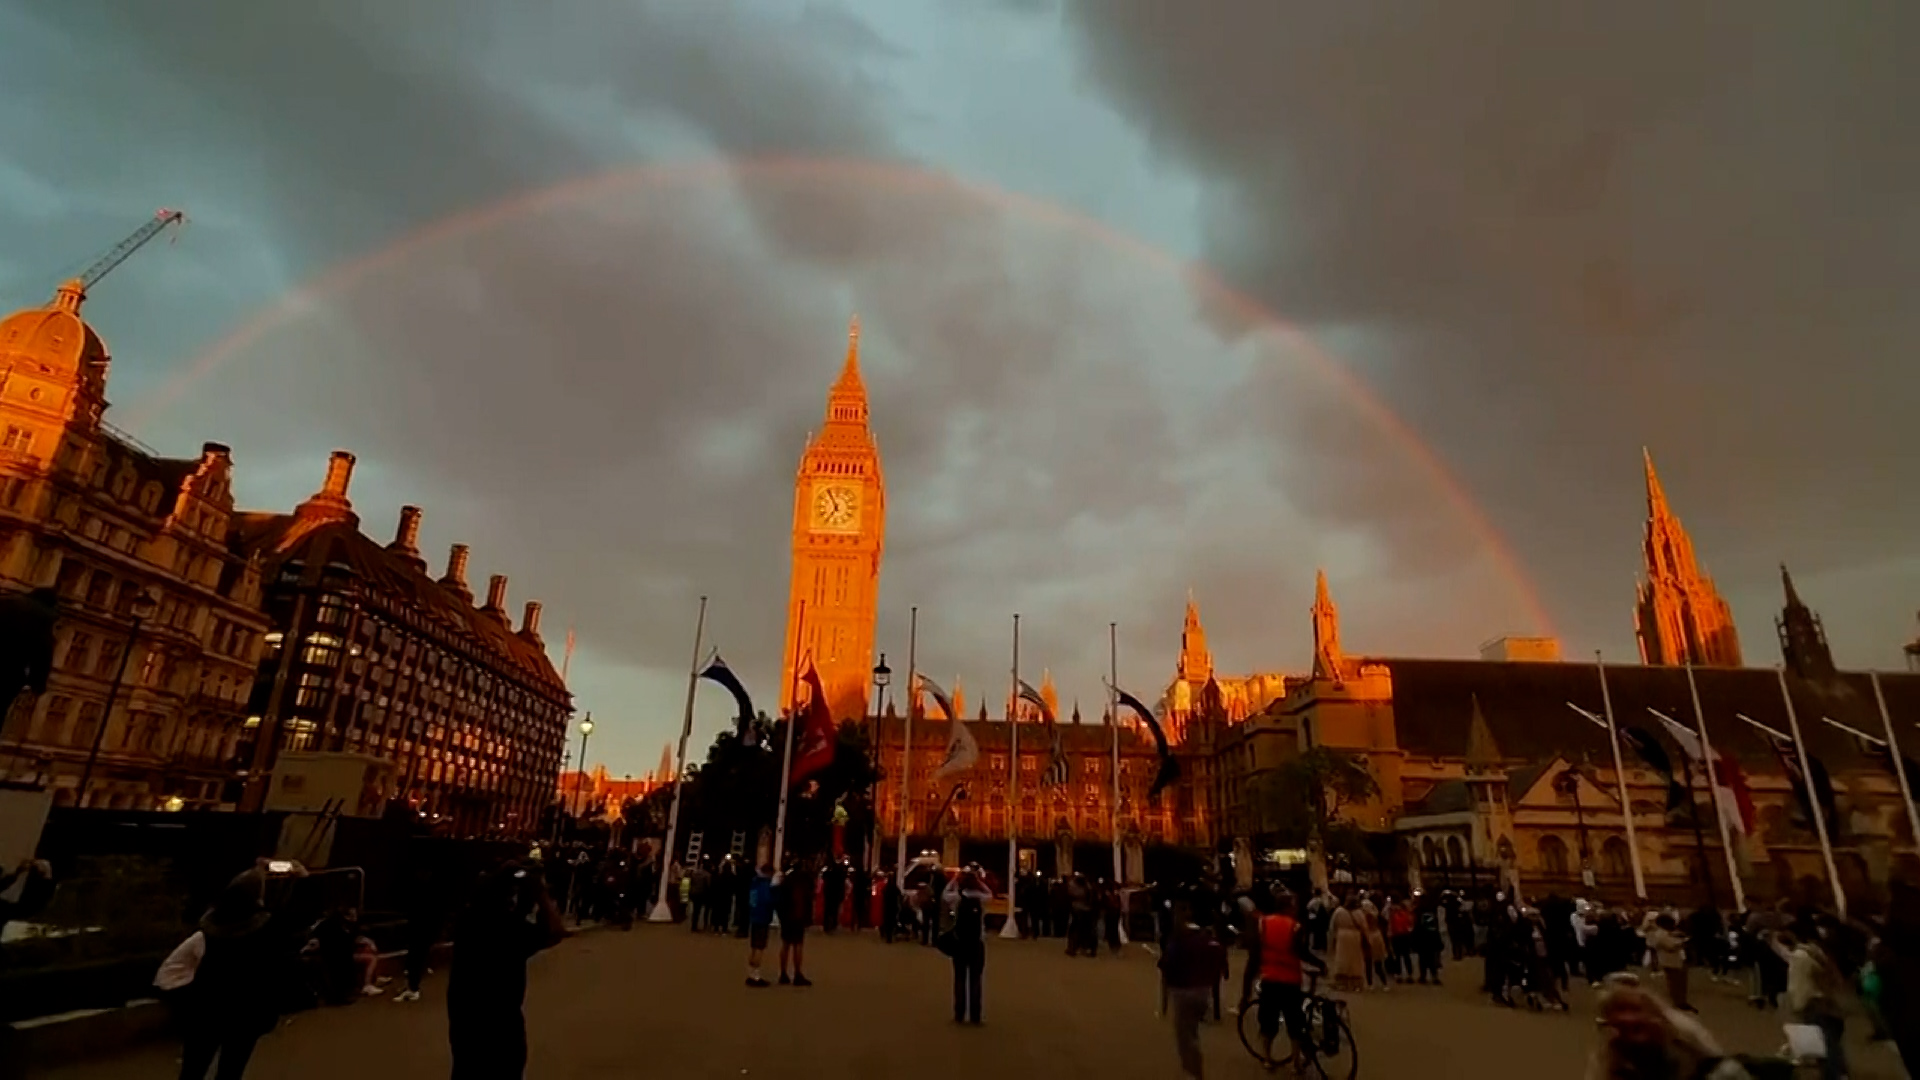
{"x": 1330, "y": 1052}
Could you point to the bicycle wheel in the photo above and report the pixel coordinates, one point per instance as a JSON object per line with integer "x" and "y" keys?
{"x": 1250, "y": 1037}
{"x": 1335, "y": 1055}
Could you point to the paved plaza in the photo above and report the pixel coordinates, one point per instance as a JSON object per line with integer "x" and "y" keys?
{"x": 661, "y": 1001}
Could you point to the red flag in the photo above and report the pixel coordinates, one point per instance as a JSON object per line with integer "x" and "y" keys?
{"x": 814, "y": 742}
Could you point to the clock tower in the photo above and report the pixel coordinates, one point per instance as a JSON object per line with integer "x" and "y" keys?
{"x": 839, "y": 532}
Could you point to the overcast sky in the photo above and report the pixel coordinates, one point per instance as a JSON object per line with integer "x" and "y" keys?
{"x": 1117, "y": 261}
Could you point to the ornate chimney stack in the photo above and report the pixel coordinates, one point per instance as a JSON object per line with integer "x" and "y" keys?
{"x": 455, "y": 580}
{"x": 330, "y": 503}
{"x": 530, "y": 622}
{"x": 496, "y": 604}
{"x": 406, "y": 538}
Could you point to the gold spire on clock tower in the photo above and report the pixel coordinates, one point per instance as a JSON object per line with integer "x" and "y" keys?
{"x": 839, "y": 534}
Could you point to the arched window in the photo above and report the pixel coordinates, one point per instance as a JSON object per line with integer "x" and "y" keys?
{"x": 1614, "y": 857}
{"x": 1553, "y": 855}
{"x": 1456, "y": 852}
{"x": 1429, "y": 852}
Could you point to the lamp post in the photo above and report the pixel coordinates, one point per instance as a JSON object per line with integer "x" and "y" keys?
{"x": 140, "y": 610}
{"x": 1568, "y": 783}
{"x": 580, "y": 781}
{"x": 882, "y": 676}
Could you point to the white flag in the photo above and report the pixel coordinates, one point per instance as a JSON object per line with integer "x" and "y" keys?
{"x": 962, "y": 752}
{"x": 1724, "y": 801}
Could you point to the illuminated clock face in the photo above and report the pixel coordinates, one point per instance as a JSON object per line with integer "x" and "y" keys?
{"x": 836, "y": 508}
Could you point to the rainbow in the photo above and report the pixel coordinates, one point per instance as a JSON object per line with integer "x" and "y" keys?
{"x": 854, "y": 171}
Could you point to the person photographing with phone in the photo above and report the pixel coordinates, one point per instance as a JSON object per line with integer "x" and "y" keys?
{"x": 507, "y": 920}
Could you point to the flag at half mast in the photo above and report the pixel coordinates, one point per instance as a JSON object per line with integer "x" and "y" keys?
{"x": 813, "y": 745}
{"x": 962, "y": 750}
{"x": 1059, "y": 768}
{"x": 1728, "y": 785}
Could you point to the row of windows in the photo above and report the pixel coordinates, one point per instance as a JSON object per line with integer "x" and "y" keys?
{"x": 139, "y": 731}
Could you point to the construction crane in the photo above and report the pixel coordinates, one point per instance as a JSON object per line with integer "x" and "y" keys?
{"x": 105, "y": 264}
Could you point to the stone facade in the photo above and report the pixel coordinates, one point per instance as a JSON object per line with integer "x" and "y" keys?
{"x": 839, "y": 537}
{"x": 1679, "y": 617}
{"x": 371, "y": 654}
{"x": 159, "y": 624}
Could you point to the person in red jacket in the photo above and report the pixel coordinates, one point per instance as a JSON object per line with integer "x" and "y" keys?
{"x": 1280, "y": 958}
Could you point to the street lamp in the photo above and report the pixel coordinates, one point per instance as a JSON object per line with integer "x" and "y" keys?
{"x": 1568, "y": 783}
{"x": 140, "y": 611}
{"x": 882, "y": 675}
{"x": 586, "y": 729}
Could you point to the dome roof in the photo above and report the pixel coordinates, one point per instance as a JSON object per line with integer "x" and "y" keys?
{"x": 55, "y": 335}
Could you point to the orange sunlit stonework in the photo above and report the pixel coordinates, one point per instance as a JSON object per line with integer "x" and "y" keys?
{"x": 839, "y": 535}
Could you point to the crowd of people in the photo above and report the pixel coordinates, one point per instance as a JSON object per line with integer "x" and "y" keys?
{"x": 1815, "y": 968}
{"x": 262, "y": 948}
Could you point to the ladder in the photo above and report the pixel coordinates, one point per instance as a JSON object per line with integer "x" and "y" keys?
{"x": 738, "y": 848}
{"x": 693, "y": 847}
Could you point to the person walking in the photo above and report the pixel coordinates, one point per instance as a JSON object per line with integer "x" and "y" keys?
{"x": 426, "y": 917}
{"x": 1191, "y": 969}
{"x": 1669, "y": 948}
{"x": 508, "y": 919}
{"x": 1346, "y": 932}
{"x": 966, "y": 941}
{"x": 1813, "y": 986}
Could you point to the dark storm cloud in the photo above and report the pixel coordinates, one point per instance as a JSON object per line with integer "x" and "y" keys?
{"x": 607, "y": 400}
{"x": 1564, "y": 233}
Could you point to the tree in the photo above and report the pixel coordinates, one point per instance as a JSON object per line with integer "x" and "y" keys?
{"x": 738, "y": 790}
{"x": 1304, "y": 799}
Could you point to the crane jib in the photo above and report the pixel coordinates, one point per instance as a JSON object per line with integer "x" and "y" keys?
{"x": 105, "y": 264}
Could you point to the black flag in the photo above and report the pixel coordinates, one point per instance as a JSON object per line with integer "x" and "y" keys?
{"x": 1169, "y": 769}
{"x": 1649, "y": 750}
{"x": 1789, "y": 756}
{"x": 719, "y": 672}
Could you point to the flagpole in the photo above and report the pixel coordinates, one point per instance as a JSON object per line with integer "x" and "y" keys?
{"x": 1899, "y": 765}
{"x": 786, "y": 756}
{"x": 1813, "y": 800}
{"x": 661, "y": 912}
{"x": 1011, "y": 928}
{"x": 1620, "y": 780}
{"x": 1713, "y": 793}
{"x": 1113, "y": 720}
{"x": 906, "y": 746}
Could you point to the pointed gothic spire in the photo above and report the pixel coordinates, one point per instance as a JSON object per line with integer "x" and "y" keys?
{"x": 1803, "y": 640}
{"x": 1326, "y": 631}
{"x": 847, "y": 401}
{"x": 1656, "y": 496}
{"x": 1483, "y": 754}
{"x": 1679, "y": 617}
{"x": 1076, "y": 710}
{"x": 1196, "y": 663}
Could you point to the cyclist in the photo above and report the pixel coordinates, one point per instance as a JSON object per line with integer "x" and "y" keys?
{"x": 1279, "y": 956}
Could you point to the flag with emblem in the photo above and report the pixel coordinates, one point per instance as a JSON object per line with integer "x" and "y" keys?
{"x": 814, "y": 741}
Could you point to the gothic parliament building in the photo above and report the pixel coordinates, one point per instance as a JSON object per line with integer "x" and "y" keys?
{"x": 1487, "y": 769}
